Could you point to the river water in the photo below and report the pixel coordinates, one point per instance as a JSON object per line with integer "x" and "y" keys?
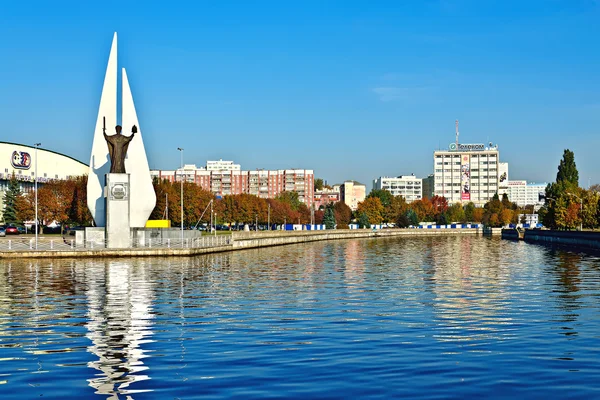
{"x": 426, "y": 317}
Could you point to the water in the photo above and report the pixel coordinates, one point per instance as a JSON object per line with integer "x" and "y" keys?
{"x": 447, "y": 317}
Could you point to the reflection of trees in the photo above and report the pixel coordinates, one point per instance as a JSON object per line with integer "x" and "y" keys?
{"x": 119, "y": 319}
{"x": 565, "y": 266}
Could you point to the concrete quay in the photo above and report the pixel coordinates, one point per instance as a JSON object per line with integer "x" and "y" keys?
{"x": 240, "y": 241}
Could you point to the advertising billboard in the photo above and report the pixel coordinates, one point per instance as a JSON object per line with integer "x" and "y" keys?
{"x": 465, "y": 177}
{"x": 503, "y": 175}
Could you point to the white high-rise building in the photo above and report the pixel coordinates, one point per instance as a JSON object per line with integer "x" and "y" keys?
{"x": 466, "y": 172}
{"x": 407, "y": 186}
{"x": 525, "y": 194}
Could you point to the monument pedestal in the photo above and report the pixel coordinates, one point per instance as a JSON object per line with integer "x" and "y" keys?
{"x": 118, "y": 232}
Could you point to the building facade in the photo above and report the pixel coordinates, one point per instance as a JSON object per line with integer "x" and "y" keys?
{"x": 19, "y": 160}
{"x": 326, "y": 196}
{"x": 352, "y": 193}
{"x": 407, "y": 186}
{"x": 226, "y": 178}
{"x": 466, "y": 173}
{"x": 428, "y": 185}
{"x": 525, "y": 194}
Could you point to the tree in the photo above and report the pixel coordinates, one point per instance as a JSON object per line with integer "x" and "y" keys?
{"x": 478, "y": 215}
{"x": 397, "y": 208}
{"x": 456, "y": 213}
{"x": 383, "y": 195}
{"x": 291, "y": 198}
{"x": 506, "y": 216}
{"x": 10, "y": 198}
{"x": 506, "y": 202}
{"x": 318, "y": 184}
{"x": 363, "y": 221}
{"x": 412, "y": 217}
{"x": 329, "y": 217}
{"x": 343, "y": 214}
{"x": 373, "y": 208}
{"x": 567, "y": 170}
{"x": 469, "y": 209}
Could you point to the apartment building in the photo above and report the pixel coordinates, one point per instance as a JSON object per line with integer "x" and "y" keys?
{"x": 352, "y": 193}
{"x": 407, "y": 186}
{"x": 226, "y": 178}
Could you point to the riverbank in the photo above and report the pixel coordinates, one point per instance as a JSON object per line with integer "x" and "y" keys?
{"x": 576, "y": 240}
{"x": 239, "y": 241}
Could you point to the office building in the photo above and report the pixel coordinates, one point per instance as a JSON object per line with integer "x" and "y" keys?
{"x": 466, "y": 172}
{"x": 407, "y": 186}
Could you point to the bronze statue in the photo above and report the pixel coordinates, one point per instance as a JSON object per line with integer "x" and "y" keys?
{"x": 117, "y": 148}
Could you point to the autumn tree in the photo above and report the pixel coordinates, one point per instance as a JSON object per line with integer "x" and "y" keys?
{"x": 373, "y": 208}
{"x": 343, "y": 214}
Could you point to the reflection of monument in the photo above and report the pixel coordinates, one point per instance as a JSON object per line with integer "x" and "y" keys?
{"x": 141, "y": 193}
{"x": 119, "y": 323}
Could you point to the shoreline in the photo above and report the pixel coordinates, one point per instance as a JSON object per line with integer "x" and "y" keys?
{"x": 241, "y": 241}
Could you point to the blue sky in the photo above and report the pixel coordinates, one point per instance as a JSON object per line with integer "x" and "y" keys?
{"x": 353, "y": 90}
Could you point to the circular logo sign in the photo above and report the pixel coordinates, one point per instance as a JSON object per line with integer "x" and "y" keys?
{"x": 452, "y": 146}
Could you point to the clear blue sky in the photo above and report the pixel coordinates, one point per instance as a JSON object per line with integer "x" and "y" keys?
{"x": 353, "y": 90}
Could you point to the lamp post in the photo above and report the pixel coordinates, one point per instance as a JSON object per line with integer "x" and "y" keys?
{"x": 36, "y": 196}
{"x": 181, "y": 176}
{"x": 269, "y": 217}
{"x": 580, "y": 210}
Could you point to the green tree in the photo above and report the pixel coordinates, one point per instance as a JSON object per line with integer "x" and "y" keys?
{"x": 363, "y": 221}
{"x": 10, "y": 198}
{"x": 383, "y": 195}
{"x": 412, "y": 217}
{"x": 567, "y": 170}
{"x": 290, "y": 198}
{"x": 318, "y": 184}
{"x": 469, "y": 208}
{"x": 329, "y": 217}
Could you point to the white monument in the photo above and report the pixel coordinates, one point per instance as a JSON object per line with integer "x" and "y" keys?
{"x": 141, "y": 198}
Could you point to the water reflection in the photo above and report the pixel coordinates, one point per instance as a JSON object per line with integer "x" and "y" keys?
{"x": 322, "y": 320}
{"x": 119, "y": 322}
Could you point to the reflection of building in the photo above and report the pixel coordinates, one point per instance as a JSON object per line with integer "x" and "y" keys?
{"x": 352, "y": 193}
{"x": 19, "y": 160}
{"x": 226, "y": 178}
{"x": 407, "y": 186}
{"x": 525, "y": 194}
{"x": 466, "y": 172}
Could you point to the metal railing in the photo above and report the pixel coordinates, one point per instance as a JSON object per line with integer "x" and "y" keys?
{"x": 69, "y": 244}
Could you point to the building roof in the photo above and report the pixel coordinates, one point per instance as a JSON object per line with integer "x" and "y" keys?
{"x": 44, "y": 149}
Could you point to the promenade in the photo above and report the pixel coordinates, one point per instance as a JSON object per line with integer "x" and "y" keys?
{"x": 24, "y": 247}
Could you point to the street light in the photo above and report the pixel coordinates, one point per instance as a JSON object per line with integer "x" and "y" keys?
{"x": 36, "y": 197}
{"x": 580, "y": 210}
{"x": 181, "y": 176}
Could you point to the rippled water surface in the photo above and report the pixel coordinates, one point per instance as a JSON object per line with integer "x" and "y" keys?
{"x": 447, "y": 317}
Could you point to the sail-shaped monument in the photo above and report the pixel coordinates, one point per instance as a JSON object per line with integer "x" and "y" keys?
{"x": 142, "y": 198}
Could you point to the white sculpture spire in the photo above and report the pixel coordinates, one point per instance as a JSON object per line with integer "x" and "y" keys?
{"x": 142, "y": 196}
{"x": 100, "y": 161}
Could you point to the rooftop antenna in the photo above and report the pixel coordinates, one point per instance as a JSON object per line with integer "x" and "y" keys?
{"x": 456, "y": 123}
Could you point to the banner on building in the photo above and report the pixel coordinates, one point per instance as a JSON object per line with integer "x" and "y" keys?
{"x": 465, "y": 177}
